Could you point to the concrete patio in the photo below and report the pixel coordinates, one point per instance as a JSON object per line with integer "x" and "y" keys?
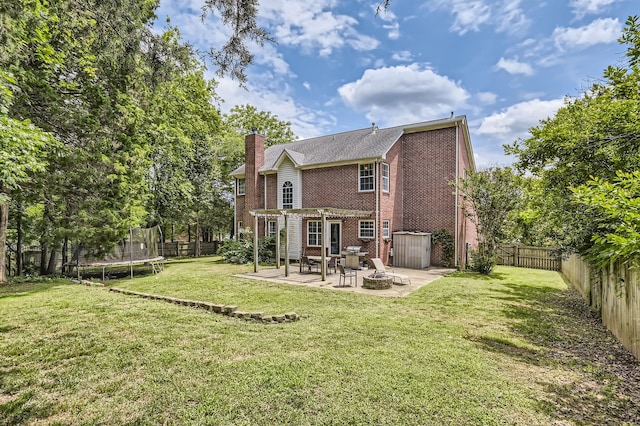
{"x": 418, "y": 277}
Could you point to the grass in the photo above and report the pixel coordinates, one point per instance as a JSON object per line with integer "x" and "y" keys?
{"x": 463, "y": 350}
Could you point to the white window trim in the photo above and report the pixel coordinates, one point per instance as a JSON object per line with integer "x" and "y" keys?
{"x": 386, "y": 229}
{"x": 373, "y": 230}
{"x": 385, "y": 166}
{"x": 244, "y": 186}
{"x": 275, "y": 226}
{"x": 318, "y": 233}
{"x": 373, "y": 179}
{"x": 284, "y": 185}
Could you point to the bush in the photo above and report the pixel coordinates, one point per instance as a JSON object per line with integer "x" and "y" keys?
{"x": 482, "y": 263}
{"x": 242, "y": 251}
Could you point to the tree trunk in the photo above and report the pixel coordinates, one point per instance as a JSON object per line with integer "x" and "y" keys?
{"x": 53, "y": 260}
{"x": 43, "y": 258}
{"x": 19, "y": 258}
{"x": 197, "y": 248}
{"x": 65, "y": 254}
{"x": 4, "y": 222}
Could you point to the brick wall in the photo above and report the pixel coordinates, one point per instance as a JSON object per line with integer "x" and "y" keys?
{"x": 429, "y": 167}
{"x": 254, "y": 183}
{"x": 391, "y": 206}
{"x": 466, "y": 228}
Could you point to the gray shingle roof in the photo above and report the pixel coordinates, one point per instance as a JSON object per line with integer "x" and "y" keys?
{"x": 343, "y": 147}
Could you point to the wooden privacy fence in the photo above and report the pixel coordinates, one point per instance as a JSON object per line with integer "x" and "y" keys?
{"x": 177, "y": 249}
{"x": 614, "y": 293}
{"x": 545, "y": 258}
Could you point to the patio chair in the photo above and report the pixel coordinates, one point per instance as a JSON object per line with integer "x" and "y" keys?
{"x": 380, "y": 269}
{"x": 333, "y": 262}
{"x": 344, "y": 273}
{"x": 306, "y": 263}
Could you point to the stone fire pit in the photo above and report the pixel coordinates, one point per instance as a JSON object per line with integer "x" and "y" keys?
{"x": 377, "y": 282}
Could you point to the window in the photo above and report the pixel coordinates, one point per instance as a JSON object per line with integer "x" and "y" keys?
{"x": 240, "y": 234}
{"x": 366, "y": 177}
{"x": 366, "y": 229}
{"x": 385, "y": 177}
{"x": 272, "y": 228}
{"x": 287, "y": 195}
{"x": 241, "y": 186}
{"x": 314, "y": 233}
{"x": 386, "y": 229}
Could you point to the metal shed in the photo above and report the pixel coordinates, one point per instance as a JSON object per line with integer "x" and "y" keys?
{"x": 412, "y": 249}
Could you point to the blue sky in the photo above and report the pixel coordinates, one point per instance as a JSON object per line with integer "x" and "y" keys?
{"x": 337, "y": 66}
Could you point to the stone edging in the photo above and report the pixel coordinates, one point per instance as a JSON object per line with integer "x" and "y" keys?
{"x": 87, "y": 282}
{"x": 216, "y": 308}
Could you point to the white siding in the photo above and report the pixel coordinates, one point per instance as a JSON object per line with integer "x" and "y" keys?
{"x": 288, "y": 172}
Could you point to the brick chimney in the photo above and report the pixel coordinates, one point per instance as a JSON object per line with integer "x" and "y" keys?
{"x": 254, "y": 186}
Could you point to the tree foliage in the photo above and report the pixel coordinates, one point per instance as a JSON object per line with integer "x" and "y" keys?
{"x": 617, "y": 203}
{"x": 594, "y": 136}
{"x": 243, "y": 119}
{"x": 489, "y": 198}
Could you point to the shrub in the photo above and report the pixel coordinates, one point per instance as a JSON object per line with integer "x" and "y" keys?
{"x": 482, "y": 263}
{"x": 241, "y": 252}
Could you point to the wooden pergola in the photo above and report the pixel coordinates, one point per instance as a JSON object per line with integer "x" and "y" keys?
{"x": 321, "y": 213}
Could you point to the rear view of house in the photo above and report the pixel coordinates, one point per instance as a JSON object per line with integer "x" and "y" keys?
{"x": 367, "y": 184}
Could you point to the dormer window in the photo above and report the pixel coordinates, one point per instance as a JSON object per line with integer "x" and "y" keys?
{"x": 240, "y": 186}
{"x": 287, "y": 195}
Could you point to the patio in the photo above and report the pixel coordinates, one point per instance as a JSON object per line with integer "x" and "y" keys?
{"x": 419, "y": 278}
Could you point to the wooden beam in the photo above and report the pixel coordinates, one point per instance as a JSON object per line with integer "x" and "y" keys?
{"x": 286, "y": 245}
{"x": 255, "y": 243}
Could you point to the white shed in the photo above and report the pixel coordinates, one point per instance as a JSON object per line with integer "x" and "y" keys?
{"x": 412, "y": 249}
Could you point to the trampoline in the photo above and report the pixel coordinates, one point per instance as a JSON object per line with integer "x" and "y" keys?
{"x": 140, "y": 247}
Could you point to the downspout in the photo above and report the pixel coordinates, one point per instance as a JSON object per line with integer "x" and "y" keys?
{"x": 377, "y": 187}
{"x": 455, "y": 238}
{"x": 235, "y": 204}
{"x": 264, "y": 206}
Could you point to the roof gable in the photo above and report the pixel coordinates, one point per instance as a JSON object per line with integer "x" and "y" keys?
{"x": 347, "y": 147}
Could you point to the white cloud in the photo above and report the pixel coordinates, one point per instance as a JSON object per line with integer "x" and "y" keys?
{"x": 268, "y": 55}
{"x": 511, "y": 18}
{"x": 306, "y": 85}
{"x": 313, "y": 26}
{"x": 403, "y": 94}
{"x": 606, "y": 30}
{"x": 469, "y": 15}
{"x": 513, "y": 66}
{"x": 402, "y": 56}
{"x": 487, "y": 98}
{"x": 393, "y": 25}
{"x": 515, "y": 121}
{"x": 584, "y": 7}
{"x": 305, "y": 122}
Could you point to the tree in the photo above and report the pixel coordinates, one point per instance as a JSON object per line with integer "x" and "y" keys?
{"x": 22, "y": 152}
{"x": 618, "y": 204}
{"x": 91, "y": 85}
{"x": 489, "y": 198}
{"x": 594, "y": 136}
{"x": 245, "y": 118}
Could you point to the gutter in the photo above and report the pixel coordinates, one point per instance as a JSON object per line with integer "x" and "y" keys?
{"x": 455, "y": 246}
{"x": 235, "y": 207}
{"x": 377, "y": 183}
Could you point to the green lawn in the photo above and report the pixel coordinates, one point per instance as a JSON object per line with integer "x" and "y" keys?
{"x": 466, "y": 349}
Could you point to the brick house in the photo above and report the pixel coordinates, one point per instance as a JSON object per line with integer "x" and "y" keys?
{"x": 393, "y": 179}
